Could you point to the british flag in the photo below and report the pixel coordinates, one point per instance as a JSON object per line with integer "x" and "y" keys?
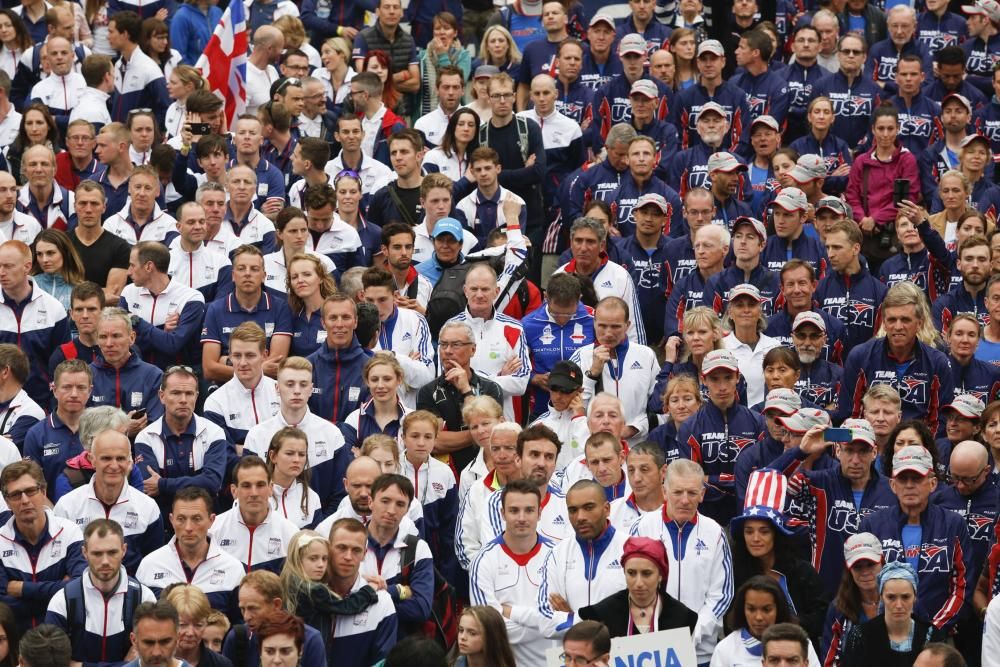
{"x": 224, "y": 61}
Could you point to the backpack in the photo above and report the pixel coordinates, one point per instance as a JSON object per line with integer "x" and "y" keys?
{"x": 76, "y": 612}
{"x": 442, "y": 626}
{"x": 448, "y": 296}
{"x": 522, "y": 135}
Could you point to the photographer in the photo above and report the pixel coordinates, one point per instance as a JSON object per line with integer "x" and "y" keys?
{"x": 876, "y": 186}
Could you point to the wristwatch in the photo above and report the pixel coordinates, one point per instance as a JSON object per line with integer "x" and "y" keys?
{"x": 593, "y": 377}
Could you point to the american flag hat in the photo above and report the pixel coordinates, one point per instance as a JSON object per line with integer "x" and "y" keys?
{"x": 765, "y": 501}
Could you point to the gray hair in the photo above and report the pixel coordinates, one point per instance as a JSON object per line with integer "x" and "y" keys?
{"x": 350, "y": 280}
{"x": 619, "y": 134}
{"x": 243, "y": 166}
{"x": 113, "y": 313}
{"x": 898, "y": 9}
{"x": 208, "y": 186}
{"x": 96, "y": 421}
{"x": 593, "y": 225}
{"x": 682, "y": 468}
{"x": 505, "y": 427}
{"x": 825, "y": 14}
{"x": 544, "y": 79}
{"x": 605, "y": 396}
{"x": 470, "y": 335}
{"x": 724, "y": 236}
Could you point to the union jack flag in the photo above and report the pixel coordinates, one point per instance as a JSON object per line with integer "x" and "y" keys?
{"x": 224, "y": 61}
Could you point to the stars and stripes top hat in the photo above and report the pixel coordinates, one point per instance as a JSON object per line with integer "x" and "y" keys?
{"x": 765, "y": 501}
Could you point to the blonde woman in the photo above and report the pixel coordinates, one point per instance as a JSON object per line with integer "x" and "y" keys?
{"x": 681, "y": 400}
{"x": 480, "y": 415}
{"x": 309, "y": 285}
{"x": 499, "y": 49}
{"x": 336, "y": 73}
{"x": 953, "y": 194}
{"x": 183, "y": 81}
{"x": 193, "y": 610}
{"x": 384, "y": 412}
{"x": 296, "y": 38}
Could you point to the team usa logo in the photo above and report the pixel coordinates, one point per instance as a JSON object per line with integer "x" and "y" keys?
{"x": 852, "y": 313}
{"x": 932, "y": 557}
{"x": 851, "y": 105}
{"x": 915, "y": 126}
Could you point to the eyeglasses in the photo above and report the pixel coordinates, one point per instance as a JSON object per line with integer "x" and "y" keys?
{"x": 575, "y": 660}
{"x": 501, "y": 96}
{"x": 30, "y": 492}
{"x": 444, "y": 345}
{"x": 852, "y": 52}
{"x": 967, "y": 481}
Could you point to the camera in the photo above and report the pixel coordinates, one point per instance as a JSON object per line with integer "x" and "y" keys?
{"x": 885, "y": 236}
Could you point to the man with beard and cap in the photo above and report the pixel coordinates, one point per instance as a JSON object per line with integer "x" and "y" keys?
{"x": 727, "y": 175}
{"x": 942, "y": 155}
{"x": 974, "y": 263}
{"x": 798, "y": 285}
{"x": 819, "y": 381}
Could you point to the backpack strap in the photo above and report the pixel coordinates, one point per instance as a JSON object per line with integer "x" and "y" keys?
{"x": 133, "y": 598}
{"x": 403, "y": 211}
{"x": 522, "y": 136}
{"x": 408, "y": 559}
{"x": 76, "y": 610}
{"x": 241, "y": 647}
{"x": 69, "y": 350}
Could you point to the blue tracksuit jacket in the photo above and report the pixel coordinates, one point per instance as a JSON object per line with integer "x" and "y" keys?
{"x": 625, "y": 197}
{"x": 834, "y": 151}
{"x": 979, "y": 378}
{"x": 800, "y": 81}
{"x": 338, "y": 388}
{"x": 808, "y": 248}
{"x": 135, "y": 385}
{"x": 730, "y": 97}
{"x": 648, "y": 271}
{"x": 767, "y": 94}
{"x": 716, "y": 295}
{"x": 853, "y": 104}
{"x": 958, "y": 300}
{"x": 980, "y": 57}
{"x": 919, "y": 122}
{"x": 779, "y": 326}
{"x": 934, "y": 33}
{"x": 929, "y": 269}
{"x": 820, "y": 382}
{"x": 854, "y": 300}
{"x": 548, "y": 342}
{"x": 612, "y": 105}
{"x": 883, "y": 57}
{"x": 980, "y": 511}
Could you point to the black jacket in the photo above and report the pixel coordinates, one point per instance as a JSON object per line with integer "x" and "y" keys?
{"x": 209, "y": 658}
{"x": 867, "y": 645}
{"x": 804, "y": 587}
{"x": 614, "y": 613}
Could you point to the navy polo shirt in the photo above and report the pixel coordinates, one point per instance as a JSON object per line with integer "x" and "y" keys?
{"x": 225, "y": 314}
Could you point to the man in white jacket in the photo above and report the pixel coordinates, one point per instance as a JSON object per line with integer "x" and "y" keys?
{"x": 701, "y": 565}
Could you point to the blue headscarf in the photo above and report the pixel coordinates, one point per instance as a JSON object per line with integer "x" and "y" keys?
{"x": 895, "y": 570}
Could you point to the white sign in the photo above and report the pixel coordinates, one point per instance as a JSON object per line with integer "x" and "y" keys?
{"x": 667, "y": 648}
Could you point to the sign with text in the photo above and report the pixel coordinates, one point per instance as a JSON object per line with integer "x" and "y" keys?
{"x": 667, "y": 648}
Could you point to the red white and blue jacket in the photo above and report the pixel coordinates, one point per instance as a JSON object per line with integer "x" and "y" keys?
{"x": 820, "y": 382}
{"x": 854, "y": 300}
{"x": 985, "y": 198}
{"x": 979, "y": 378}
{"x": 980, "y": 57}
{"x": 37, "y": 325}
{"x": 767, "y": 94}
{"x": 135, "y": 385}
{"x": 883, "y": 58}
{"x": 716, "y": 295}
{"x": 958, "y": 300}
{"x": 648, "y": 271}
{"x": 808, "y": 248}
{"x": 929, "y": 269}
{"x": 730, "y": 97}
{"x": 714, "y": 439}
{"x": 934, "y": 32}
{"x": 834, "y": 151}
{"x": 623, "y": 201}
{"x": 919, "y": 123}
{"x": 548, "y": 342}
{"x": 945, "y": 577}
{"x": 338, "y": 388}
{"x": 980, "y": 511}
{"x": 924, "y": 382}
{"x": 853, "y": 105}
{"x": 197, "y": 457}
{"x": 779, "y": 326}
{"x": 612, "y": 104}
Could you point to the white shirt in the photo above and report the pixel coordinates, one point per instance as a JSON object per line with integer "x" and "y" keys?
{"x": 453, "y": 166}
{"x": 469, "y": 205}
{"x": 572, "y": 430}
{"x": 408, "y": 332}
{"x": 631, "y": 379}
{"x": 374, "y": 175}
{"x": 157, "y": 228}
{"x": 751, "y": 363}
{"x": 20, "y": 227}
{"x": 433, "y": 125}
{"x": 9, "y": 127}
{"x": 733, "y": 651}
{"x": 239, "y": 408}
{"x": 196, "y": 269}
{"x": 263, "y": 546}
{"x": 371, "y": 126}
{"x": 59, "y": 92}
{"x": 258, "y": 86}
{"x": 558, "y": 130}
{"x": 92, "y": 107}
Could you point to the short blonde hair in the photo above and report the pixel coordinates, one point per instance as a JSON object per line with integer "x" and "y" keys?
{"x": 189, "y": 601}
{"x": 383, "y": 359}
{"x": 481, "y": 406}
{"x": 682, "y": 382}
{"x": 881, "y": 392}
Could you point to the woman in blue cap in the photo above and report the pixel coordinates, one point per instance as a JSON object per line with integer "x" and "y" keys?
{"x": 894, "y": 637}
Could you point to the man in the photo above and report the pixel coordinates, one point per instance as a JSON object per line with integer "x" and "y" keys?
{"x": 329, "y": 235}
{"x": 62, "y": 89}
{"x": 749, "y": 237}
{"x": 699, "y": 578}
{"x": 940, "y": 655}
{"x": 43, "y": 550}
{"x": 447, "y": 238}
{"x": 711, "y": 244}
{"x": 247, "y": 301}
{"x": 104, "y": 255}
{"x": 645, "y": 465}
{"x": 616, "y": 366}
{"x": 983, "y": 22}
{"x": 919, "y": 123}
{"x": 949, "y": 73}
{"x": 15, "y": 224}
{"x": 308, "y": 159}
{"x": 193, "y": 263}
{"x": 643, "y": 97}
{"x": 11, "y": 118}
{"x": 138, "y": 516}
{"x": 411, "y": 592}
{"x": 766, "y": 91}
{"x": 121, "y": 378}
{"x": 798, "y": 285}
{"x": 365, "y": 637}
{"x": 181, "y": 448}
{"x": 943, "y": 155}
{"x": 18, "y": 412}
{"x": 790, "y": 240}
{"x": 34, "y": 320}
{"x": 932, "y": 539}
{"x": 154, "y": 637}
{"x": 269, "y": 195}
{"x": 974, "y": 263}
{"x": 539, "y": 55}
{"x": 679, "y": 253}
{"x": 450, "y": 86}
{"x": 338, "y": 363}
{"x": 41, "y": 197}
{"x": 820, "y": 381}
{"x": 600, "y": 180}
{"x": 172, "y": 335}
{"x": 190, "y": 557}
{"x": 112, "y": 152}
{"x": 142, "y": 219}
{"x": 611, "y": 101}
{"x": 411, "y": 290}
{"x": 803, "y": 73}
{"x": 357, "y": 504}
{"x": 719, "y": 431}
{"x": 885, "y": 55}
{"x": 226, "y": 406}
{"x": 268, "y": 43}
{"x": 486, "y": 207}
{"x": 378, "y": 122}
{"x": 387, "y": 35}
{"x": 45, "y": 646}
{"x": 640, "y": 180}
{"x": 42, "y": 22}
{"x": 327, "y": 456}
{"x": 854, "y": 95}
{"x": 501, "y": 353}
{"x": 252, "y": 531}
{"x": 726, "y": 175}
{"x": 77, "y": 162}
{"x": 139, "y": 82}
{"x": 406, "y": 149}
{"x": 374, "y": 174}
{"x": 315, "y": 121}
{"x": 850, "y": 292}
{"x": 505, "y": 572}
{"x": 105, "y": 580}
{"x": 603, "y": 461}
{"x": 712, "y": 87}
{"x": 924, "y": 383}
{"x": 785, "y": 644}
{"x": 588, "y": 242}
{"x": 574, "y": 98}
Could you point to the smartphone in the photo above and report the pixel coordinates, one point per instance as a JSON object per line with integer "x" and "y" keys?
{"x": 199, "y": 128}
{"x": 838, "y": 435}
{"x": 900, "y": 190}
{"x": 139, "y": 414}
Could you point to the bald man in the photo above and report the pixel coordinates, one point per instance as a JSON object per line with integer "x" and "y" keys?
{"x": 357, "y": 504}
{"x": 973, "y": 493}
{"x": 61, "y": 89}
{"x": 268, "y": 43}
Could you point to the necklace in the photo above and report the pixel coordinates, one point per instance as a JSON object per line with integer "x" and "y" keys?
{"x": 642, "y": 610}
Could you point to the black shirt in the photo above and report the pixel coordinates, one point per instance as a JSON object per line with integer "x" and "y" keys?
{"x": 443, "y": 399}
{"x": 106, "y": 253}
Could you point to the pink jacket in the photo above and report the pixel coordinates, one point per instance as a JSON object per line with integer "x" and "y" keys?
{"x": 878, "y": 203}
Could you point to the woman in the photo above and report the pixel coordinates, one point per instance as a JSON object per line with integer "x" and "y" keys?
{"x": 782, "y": 163}
{"x": 58, "y": 268}
{"x": 308, "y": 286}
{"x": 193, "y": 609}
{"x": 280, "y": 637}
{"x": 348, "y": 187}
{"x": 745, "y": 321}
{"x": 681, "y": 400}
{"x": 96, "y": 13}
{"x": 15, "y": 41}
{"x": 444, "y": 50}
{"x": 479, "y": 92}
{"x": 38, "y": 127}
{"x": 291, "y": 232}
{"x": 482, "y": 639}
{"x": 142, "y": 129}
{"x": 378, "y": 61}
{"x": 288, "y": 460}
{"x": 782, "y": 370}
{"x": 499, "y": 49}
{"x": 894, "y": 637}
{"x": 759, "y": 603}
{"x": 384, "y": 450}
{"x": 383, "y": 375}
{"x": 857, "y": 597}
{"x": 183, "y": 81}
{"x": 762, "y": 546}
{"x": 830, "y": 147}
{"x": 915, "y": 263}
{"x": 216, "y": 629}
{"x": 953, "y": 199}
{"x": 480, "y": 414}
{"x": 683, "y": 43}
{"x": 10, "y": 636}
{"x": 155, "y": 43}
{"x": 870, "y": 185}
{"x": 970, "y": 375}
{"x": 644, "y": 605}
{"x": 294, "y": 31}
{"x": 907, "y": 433}
{"x": 336, "y": 73}
{"x": 991, "y": 432}
{"x": 460, "y": 138}
{"x": 974, "y": 159}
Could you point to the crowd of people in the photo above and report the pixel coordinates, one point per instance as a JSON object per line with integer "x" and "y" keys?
{"x": 494, "y": 346}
